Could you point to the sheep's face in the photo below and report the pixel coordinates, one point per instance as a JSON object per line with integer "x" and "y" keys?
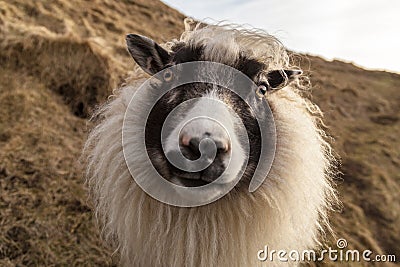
{"x": 208, "y": 120}
{"x": 206, "y": 112}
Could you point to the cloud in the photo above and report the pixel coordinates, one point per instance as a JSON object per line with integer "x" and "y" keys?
{"x": 362, "y": 31}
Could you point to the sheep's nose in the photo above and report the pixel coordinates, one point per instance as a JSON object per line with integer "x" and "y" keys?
{"x": 190, "y": 146}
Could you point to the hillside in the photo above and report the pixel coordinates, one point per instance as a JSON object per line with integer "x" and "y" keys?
{"x": 61, "y": 58}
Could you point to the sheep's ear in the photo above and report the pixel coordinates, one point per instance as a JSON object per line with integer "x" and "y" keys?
{"x": 151, "y": 57}
{"x": 279, "y": 78}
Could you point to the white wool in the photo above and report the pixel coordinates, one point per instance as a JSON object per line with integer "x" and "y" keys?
{"x": 289, "y": 211}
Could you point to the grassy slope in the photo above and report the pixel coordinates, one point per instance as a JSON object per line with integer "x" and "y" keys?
{"x": 63, "y": 57}
{"x": 362, "y": 111}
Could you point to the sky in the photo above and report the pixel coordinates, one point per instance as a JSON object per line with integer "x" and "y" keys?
{"x": 365, "y": 32}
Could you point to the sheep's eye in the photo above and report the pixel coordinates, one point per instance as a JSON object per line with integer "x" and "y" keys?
{"x": 261, "y": 90}
{"x": 168, "y": 75}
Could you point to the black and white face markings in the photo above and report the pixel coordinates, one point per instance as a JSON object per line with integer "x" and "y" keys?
{"x": 152, "y": 58}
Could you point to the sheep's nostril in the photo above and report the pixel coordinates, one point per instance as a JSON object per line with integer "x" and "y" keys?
{"x": 223, "y": 147}
{"x": 190, "y": 146}
{"x": 193, "y": 146}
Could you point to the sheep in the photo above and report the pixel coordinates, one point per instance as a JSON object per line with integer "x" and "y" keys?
{"x": 289, "y": 211}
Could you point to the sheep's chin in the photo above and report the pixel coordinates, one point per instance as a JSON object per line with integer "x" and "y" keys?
{"x": 196, "y": 179}
{"x": 188, "y": 182}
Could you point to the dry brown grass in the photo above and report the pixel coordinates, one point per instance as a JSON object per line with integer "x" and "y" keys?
{"x": 362, "y": 109}
{"x": 61, "y": 58}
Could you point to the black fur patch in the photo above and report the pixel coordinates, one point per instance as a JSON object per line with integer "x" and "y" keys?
{"x": 249, "y": 66}
{"x": 184, "y": 53}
